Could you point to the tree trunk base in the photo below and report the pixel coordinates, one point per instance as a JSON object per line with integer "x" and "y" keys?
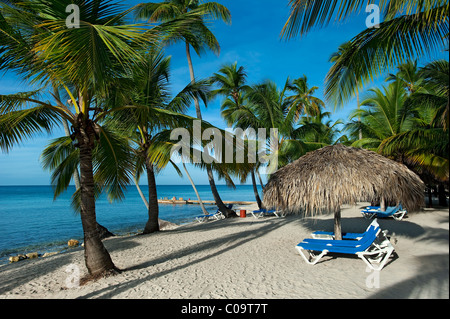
{"x": 107, "y": 273}
{"x": 230, "y": 213}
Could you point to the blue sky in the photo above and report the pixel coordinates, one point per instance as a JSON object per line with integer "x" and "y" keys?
{"x": 253, "y": 40}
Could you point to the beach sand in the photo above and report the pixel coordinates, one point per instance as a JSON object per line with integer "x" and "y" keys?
{"x": 248, "y": 258}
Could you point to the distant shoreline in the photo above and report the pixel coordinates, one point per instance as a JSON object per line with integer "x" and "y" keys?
{"x": 182, "y": 201}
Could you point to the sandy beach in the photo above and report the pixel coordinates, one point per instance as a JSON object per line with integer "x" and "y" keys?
{"x": 248, "y": 258}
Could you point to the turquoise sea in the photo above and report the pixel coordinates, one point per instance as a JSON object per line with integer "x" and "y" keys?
{"x": 30, "y": 220}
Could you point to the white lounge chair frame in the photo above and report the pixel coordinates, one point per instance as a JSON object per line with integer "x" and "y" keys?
{"x": 369, "y": 214}
{"x": 277, "y": 213}
{"x": 217, "y": 216}
{"x": 381, "y": 252}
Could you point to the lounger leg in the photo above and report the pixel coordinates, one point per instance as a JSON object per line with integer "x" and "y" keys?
{"x": 387, "y": 253}
{"x": 368, "y": 215}
{"x": 313, "y": 259}
{"x": 200, "y": 219}
{"x": 399, "y": 215}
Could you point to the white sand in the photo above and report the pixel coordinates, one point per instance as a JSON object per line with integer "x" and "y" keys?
{"x": 249, "y": 258}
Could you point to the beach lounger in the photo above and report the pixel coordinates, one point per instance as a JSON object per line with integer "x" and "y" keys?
{"x": 217, "y": 215}
{"x": 330, "y": 235}
{"x": 264, "y": 212}
{"x": 374, "y": 248}
{"x": 396, "y": 212}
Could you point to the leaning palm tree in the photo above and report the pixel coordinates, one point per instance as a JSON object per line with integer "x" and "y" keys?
{"x": 230, "y": 82}
{"x": 85, "y": 68}
{"x": 410, "y": 29}
{"x": 147, "y": 86}
{"x": 196, "y": 35}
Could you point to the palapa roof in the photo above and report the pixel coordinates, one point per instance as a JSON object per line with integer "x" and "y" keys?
{"x": 324, "y": 179}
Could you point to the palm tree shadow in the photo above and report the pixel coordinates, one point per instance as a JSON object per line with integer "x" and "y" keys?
{"x": 226, "y": 243}
{"x": 431, "y": 282}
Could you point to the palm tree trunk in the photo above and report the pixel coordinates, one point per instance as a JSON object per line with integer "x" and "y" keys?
{"x": 255, "y": 190}
{"x": 97, "y": 259}
{"x": 152, "y": 224}
{"x": 195, "y": 190}
{"x": 227, "y": 212}
{"x": 140, "y": 192}
{"x": 260, "y": 179}
{"x": 191, "y": 73}
{"x": 104, "y": 232}
{"x": 219, "y": 203}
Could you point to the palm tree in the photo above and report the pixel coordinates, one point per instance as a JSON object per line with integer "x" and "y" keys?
{"x": 196, "y": 35}
{"x": 425, "y": 144}
{"x": 408, "y": 74}
{"x": 316, "y": 131}
{"x": 147, "y": 86}
{"x": 302, "y": 99}
{"x": 231, "y": 84}
{"x": 347, "y": 79}
{"x": 385, "y": 113}
{"x": 85, "y": 68}
{"x": 268, "y": 107}
{"x": 410, "y": 30}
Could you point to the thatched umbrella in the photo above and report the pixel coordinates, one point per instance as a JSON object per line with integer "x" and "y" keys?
{"x": 325, "y": 179}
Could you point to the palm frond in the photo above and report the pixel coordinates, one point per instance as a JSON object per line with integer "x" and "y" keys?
{"x": 308, "y": 14}
{"x": 17, "y": 126}
{"x": 62, "y": 159}
{"x": 113, "y": 162}
{"x": 378, "y": 49}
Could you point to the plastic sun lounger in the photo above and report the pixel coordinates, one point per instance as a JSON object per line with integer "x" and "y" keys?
{"x": 263, "y": 212}
{"x": 330, "y": 235}
{"x": 397, "y": 212}
{"x": 217, "y": 215}
{"x": 367, "y": 248}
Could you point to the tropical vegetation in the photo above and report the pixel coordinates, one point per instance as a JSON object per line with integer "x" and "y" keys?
{"x": 107, "y": 82}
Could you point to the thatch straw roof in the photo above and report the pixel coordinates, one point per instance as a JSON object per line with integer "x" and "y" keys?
{"x": 323, "y": 180}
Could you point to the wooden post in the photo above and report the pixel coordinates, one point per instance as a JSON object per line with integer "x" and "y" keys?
{"x": 337, "y": 224}
{"x": 382, "y": 204}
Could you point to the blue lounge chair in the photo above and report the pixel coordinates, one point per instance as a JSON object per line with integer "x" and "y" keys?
{"x": 264, "y": 212}
{"x": 217, "y": 215}
{"x": 330, "y": 235}
{"x": 370, "y": 245}
{"x": 397, "y": 212}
